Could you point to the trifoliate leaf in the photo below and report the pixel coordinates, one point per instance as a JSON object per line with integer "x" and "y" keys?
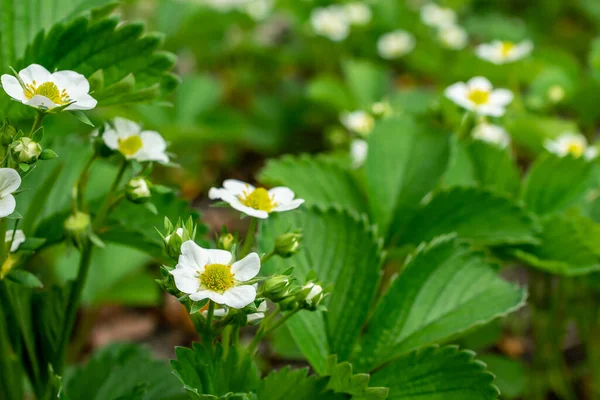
{"x": 121, "y": 370}
{"x": 458, "y": 288}
{"x": 404, "y": 162}
{"x": 315, "y": 179}
{"x": 343, "y": 251}
{"x": 437, "y": 373}
{"x": 553, "y": 183}
{"x": 478, "y": 214}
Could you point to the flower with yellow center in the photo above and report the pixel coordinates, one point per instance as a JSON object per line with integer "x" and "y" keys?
{"x": 35, "y": 86}
{"x": 331, "y": 22}
{"x": 395, "y": 44}
{"x": 133, "y": 143}
{"x": 255, "y": 202}
{"x": 210, "y": 274}
{"x": 572, "y": 144}
{"x": 503, "y": 52}
{"x": 479, "y": 96}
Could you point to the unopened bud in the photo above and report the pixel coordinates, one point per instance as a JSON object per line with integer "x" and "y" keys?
{"x": 26, "y": 150}
{"x": 312, "y": 294}
{"x": 78, "y": 227}
{"x": 138, "y": 190}
{"x": 226, "y": 242}
{"x": 287, "y": 245}
{"x": 277, "y": 287}
{"x": 382, "y": 109}
{"x": 173, "y": 243}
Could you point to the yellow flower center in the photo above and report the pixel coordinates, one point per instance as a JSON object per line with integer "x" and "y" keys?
{"x": 258, "y": 199}
{"x": 49, "y": 90}
{"x": 130, "y": 145}
{"x": 478, "y": 96}
{"x": 576, "y": 149}
{"x": 217, "y": 277}
{"x": 506, "y": 48}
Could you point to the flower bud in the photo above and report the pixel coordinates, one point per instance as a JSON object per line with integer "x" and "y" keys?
{"x": 226, "y": 241}
{"x": 287, "y": 245}
{"x": 381, "y": 109}
{"x": 26, "y": 150}
{"x": 173, "y": 243}
{"x": 289, "y": 303}
{"x": 176, "y": 235}
{"x": 78, "y": 227}
{"x": 277, "y": 287}
{"x": 312, "y": 294}
{"x": 138, "y": 190}
{"x": 7, "y": 133}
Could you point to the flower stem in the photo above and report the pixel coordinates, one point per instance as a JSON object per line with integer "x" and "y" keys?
{"x": 101, "y": 216}
{"x": 249, "y": 239}
{"x": 73, "y": 306}
{"x": 264, "y": 330}
{"x": 465, "y": 125}
{"x": 267, "y": 256}
{"x": 81, "y": 185}
{"x": 37, "y": 122}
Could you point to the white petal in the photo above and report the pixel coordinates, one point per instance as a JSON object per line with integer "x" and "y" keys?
{"x": 236, "y": 204}
{"x": 215, "y": 256}
{"x": 111, "y": 139}
{"x": 35, "y": 72}
{"x": 83, "y": 102}
{"x": 193, "y": 256}
{"x": 209, "y": 294}
{"x": 74, "y": 83}
{"x": 490, "y": 109}
{"x": 501, "y": 97}
{"x": 17, "y": 238}
{"x": 246, "y": 268}
{"x": 239, "y": 296}
{"x": 216, "y": 193}
{"x": 153, "y": 140}
{"x": 7, "y": 205}
{"x": 292, "y": 205}
{"x": 12, "y": 87}
{"x": 10, "y": 180}
{"x": 237, "y": 187}
{"x": 186, "y": 279}
{"x": 282, "y": 195}
{"x": 457, "y": 92}
{"x": 126, "y": 127}
{"x": 591, "y": 153}
{"x": 39, "y": 100}
{"x": 480, "y": 83}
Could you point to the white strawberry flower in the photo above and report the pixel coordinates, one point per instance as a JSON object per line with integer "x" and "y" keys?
{"x": 360, "y": 122}
{"x": 453, "y": 37}
{"x": 255, "y": 202}
{"x": 358, "y": 152}
{"x": 17, "y": 239}
{"x": 491, "y": 133}
{"x": 436, "y": 16}
{"x": 38, "y": 88}
{"x": 210, "y": 274}
{"x": 478, "y": 95}
{"x": 573, "y": 144}
{"x": 358, "y": 14}
{"x": 10, "y": 180}
{"x": 503, "y": 52}
{"x": 315, "y": 290}
{"x": 128, "y": 138}
{"x": 395, "y": 44}
{"x": 330, "y": 22}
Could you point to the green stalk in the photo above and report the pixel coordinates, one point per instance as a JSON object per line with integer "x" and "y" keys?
{"x": 249, "y": 239}
{"x": 465, "y": 125}
{"x": 101, "y": 216}
{"x": 37, "y": 122}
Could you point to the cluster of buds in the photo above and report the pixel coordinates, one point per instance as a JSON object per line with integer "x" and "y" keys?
{"x": 24, "y": 150}
{"x": 290, "y": 295}
{"x": 176, "y": 234}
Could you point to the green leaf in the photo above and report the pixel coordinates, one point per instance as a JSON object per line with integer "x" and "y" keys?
{"x": 24, "y": 278}
{"x": 343, "y": 251}
{"x": 456, "y": 286}
{"x": 209, "y": 372}
{"x": 494, "y": 167}
{"x": 331, "y": 92}
{"x": 553, "y": 183}
{"x": 367, "y": 81}
{"x": 342, "y": 380}
{"x": 121, "y": 371}
{"x": 569, "y": 246}
{"x": 404, "y": 162}
{"x": 287, "y": 384}
{"x": 317, "y": 180}
{"x": 436, "y": 373}
{"x": 80, "y": 115}
{"x": 510, "y": 374}
{"x": 481, "y": 215}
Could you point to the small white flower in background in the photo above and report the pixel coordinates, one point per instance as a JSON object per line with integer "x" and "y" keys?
{"x": 10, "y": 180}
{"x": 330, "y": 22}
{"x": 259, "y": 314}
{"x": 315, "y": 290}
{"x": 395, "y": 44}
{"x": 436, "y": 16}
{"x": 209, "y": 274}
{"x": 382, "y": 109}
{"x": 573, "y": 144}
{"x": 491, "y": 133}
{"x": 139, "y": 187}
{"x": 360, "y": 122}
{"x": 556, "y": 93}
{"x": 255, "y": 202}
{"x": 259, "y": 9}
{"x": 17, "y": 238}
{"x": 478, "y": 95}
{"x": 358, "y": 14}
{"x": 128, "y": 138}
{"x": 45, "y": 90}
{"x": 453, "y": 37}
{"x": 358, "y": 152}
{"x": 503, "y": 52}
